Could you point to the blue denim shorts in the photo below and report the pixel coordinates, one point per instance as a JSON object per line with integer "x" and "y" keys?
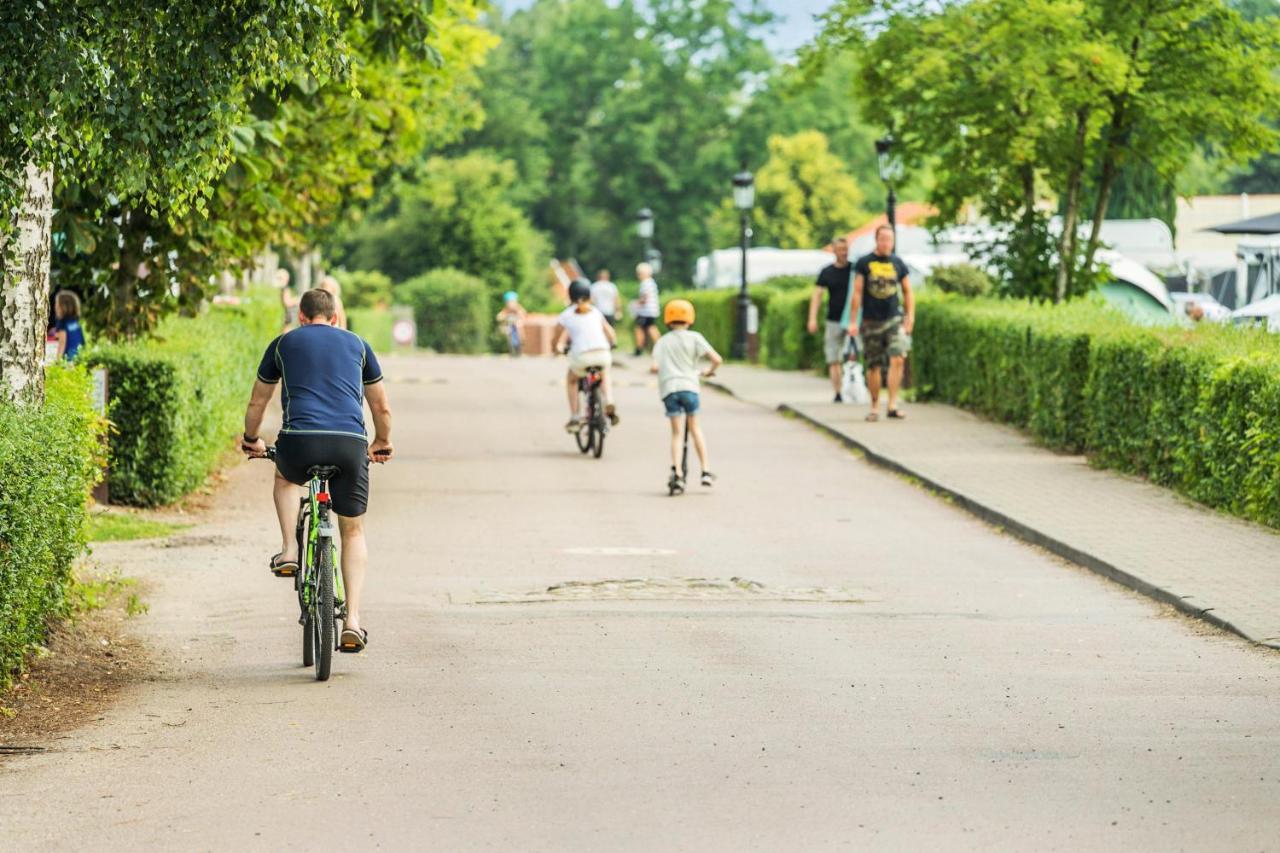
{"x": 681, "y": 403}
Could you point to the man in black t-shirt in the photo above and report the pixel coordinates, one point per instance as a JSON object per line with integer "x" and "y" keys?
{"x": 886, "y": 333}
{"x": 834, "y": 281}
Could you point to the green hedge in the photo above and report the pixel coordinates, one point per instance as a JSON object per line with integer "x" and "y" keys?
{"x": 1196, "y": 410}
{"x": 49, "y": 460}
{"x": 785, "y": 342}
{"x": 178, "y": 397}
{"x": 716, "y": 312}
{"x": 451, "y": 309}
{"x": 372, "y": 324}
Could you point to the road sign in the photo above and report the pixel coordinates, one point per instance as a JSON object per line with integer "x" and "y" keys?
{"x": 404, "y": 332}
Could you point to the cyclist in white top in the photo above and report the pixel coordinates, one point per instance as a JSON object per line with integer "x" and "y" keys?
{"x": 590, "y": 341}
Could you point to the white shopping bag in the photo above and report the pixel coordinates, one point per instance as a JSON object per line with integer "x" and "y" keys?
{"x": 853, "y": 387}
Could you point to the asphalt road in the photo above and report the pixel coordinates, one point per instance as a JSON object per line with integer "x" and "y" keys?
{"x": 561, "y": 659}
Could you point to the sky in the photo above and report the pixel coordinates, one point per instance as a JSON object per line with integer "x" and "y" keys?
{"x": 794, "y": 28}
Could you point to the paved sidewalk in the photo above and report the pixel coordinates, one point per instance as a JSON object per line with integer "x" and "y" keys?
{"x": 1204, "y": 563}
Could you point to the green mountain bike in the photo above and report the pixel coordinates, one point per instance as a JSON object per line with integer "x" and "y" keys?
{"x": 318, "y": 582}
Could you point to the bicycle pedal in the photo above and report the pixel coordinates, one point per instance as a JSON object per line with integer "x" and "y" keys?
{"x": 284, "y": 573}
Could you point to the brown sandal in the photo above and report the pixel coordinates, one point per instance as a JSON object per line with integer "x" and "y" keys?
{"x": 896, "y": 415}
{"x": 283, "y": 568}
{"x": 872, "y": 417}
{"x": 353, "y": 640}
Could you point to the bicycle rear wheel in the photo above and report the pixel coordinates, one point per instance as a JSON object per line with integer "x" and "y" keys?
{"x": 322, "y": 612}
{"x": 302, "y": 585}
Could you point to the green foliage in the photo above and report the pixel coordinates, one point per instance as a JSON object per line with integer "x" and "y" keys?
{"x": 606, "y": 107}
{"x": 49, "y": 460}
{"x": 785, "y": 342}
{"x": 1195, "y": 410}
{"x": 715, "y": 315}
{"x": 293, "y": 157}
{"x": 374, "y": 325}
{"x": 1015, "y": 101}
{"x": 178, "y": 396}
{"x": 961, "y": 279}
{"x": 791, "y": 282}
{"x": 456, "y": 213}
{"x": 451, "y": 309}
{"x": 804, "y": 197}
{"x": 364, "y": 289}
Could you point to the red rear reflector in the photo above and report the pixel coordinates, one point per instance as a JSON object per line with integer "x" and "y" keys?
{"x": 323, "y": 497}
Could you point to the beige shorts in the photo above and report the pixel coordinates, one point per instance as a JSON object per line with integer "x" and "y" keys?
{"x": 834, "y": 342}
{"x": 579, "y": 363}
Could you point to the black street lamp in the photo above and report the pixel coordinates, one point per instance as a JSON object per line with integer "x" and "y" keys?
{"x": 890, "y": 170}
{"x": 744, "y": 198}
{"x": 644, "y": 228}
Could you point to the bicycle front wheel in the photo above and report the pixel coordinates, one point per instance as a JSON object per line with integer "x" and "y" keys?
{"x": 322, "y": 612}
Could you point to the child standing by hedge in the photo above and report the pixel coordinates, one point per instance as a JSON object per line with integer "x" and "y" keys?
{"x": 66, "y": 310}
{"x": 676, "y": 357}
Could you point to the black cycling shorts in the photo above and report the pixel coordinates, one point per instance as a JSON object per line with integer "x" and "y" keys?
{"x": 296, "y": 453}
{"x": 646, "y": 322}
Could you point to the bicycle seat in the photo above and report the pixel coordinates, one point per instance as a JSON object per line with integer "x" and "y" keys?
{"x": 324, "y": 472}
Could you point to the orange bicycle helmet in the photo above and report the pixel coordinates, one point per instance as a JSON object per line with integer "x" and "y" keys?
{"x": 678, "y": 311}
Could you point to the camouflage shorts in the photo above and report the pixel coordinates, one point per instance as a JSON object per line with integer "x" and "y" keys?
{"x": 883, "y": 340}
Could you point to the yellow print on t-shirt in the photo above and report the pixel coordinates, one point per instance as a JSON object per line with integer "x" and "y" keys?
{"x": 882, "y": 279}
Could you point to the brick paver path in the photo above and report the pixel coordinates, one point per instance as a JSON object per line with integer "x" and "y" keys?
{"x": 1151, "y": 539}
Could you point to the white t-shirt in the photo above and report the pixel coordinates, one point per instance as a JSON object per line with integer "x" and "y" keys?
{"x": 586, "y": 330}
{"x": 648, "y": 302}
{"x": 604, "y": 295}
{"x": 677, "y": 354}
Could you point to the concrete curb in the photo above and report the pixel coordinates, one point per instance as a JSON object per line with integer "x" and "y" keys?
{"x": 1032, "y": 535}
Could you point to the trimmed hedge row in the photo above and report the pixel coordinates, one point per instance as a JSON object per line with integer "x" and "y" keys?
{"x": 49, "y": 461}
{"x": 1197, "y": 410}
{"x": 178, "y": 396}
{"x": 374, "y": 325}
{"x": 451, "y": 310}
{"x": 785, "y": 344}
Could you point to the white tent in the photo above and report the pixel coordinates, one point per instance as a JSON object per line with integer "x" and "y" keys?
{"x": 1264, "y": 312}
{"x": 723, "y": 267}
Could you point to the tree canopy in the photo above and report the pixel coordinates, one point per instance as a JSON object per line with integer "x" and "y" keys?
{"x": 608, "y": 107}
{"x": 1017, "y": 102}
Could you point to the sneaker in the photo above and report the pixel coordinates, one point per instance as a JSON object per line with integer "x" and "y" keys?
{"x": 675, "y": 483}
{"x": 708, "y": 478}
{"x": 574, "y": 425}
{"x": 838, "y": 399}
{"x": 612, "y": 414}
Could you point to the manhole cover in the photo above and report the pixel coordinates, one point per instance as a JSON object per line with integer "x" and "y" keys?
{"x": 619, "y": 551}
{"x": 670, "y": 589}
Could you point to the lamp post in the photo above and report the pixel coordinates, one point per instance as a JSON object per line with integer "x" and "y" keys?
{"x": 744, "y": 198}
{"x": 644, "y": 228}
{"x": 890, "y": 170}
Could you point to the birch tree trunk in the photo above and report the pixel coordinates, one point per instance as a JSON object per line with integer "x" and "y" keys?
{"x": 1067, "y": 240}
{"x": 24, "y": 289}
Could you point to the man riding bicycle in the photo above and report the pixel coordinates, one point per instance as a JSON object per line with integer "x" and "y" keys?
{"x": 326, "y": 374}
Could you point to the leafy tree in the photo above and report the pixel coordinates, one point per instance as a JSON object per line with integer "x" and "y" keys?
{"x": 139, "y": 97}
{"x": 804, "y": 196}
{"x": 792, "y": 100}
{"x": 608, "y": 107}
{"x": 299, "y": 161}
{"x": 455, "y": 213}
{"x": 1015, "y": 101}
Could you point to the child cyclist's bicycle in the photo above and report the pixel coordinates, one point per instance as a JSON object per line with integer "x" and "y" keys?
{"x": 318, "y": 582}
{"x": 590, "y": 435}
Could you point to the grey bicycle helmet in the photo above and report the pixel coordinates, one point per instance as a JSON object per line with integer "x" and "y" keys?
{"x": 579, "y": 290}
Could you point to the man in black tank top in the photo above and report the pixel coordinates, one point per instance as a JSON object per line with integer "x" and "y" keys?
{"x": 886, "y": 332}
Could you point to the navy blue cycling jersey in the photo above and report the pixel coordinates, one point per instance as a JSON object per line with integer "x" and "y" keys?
{"x": 324, "y": 369}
